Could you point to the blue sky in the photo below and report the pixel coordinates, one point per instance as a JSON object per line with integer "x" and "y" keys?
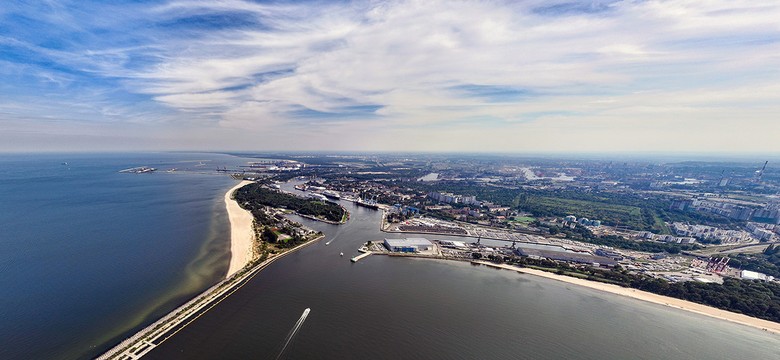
{"x": 513, "y": 76}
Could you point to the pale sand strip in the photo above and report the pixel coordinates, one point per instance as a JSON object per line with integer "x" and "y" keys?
{"x": 765, "y": 325}
{"x": 242, "y": 235}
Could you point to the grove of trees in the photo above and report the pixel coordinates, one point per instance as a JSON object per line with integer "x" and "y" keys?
{"x": 254, "y": 196}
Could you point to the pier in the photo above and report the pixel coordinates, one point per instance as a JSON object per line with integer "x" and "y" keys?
{"x": 361, "y": 256}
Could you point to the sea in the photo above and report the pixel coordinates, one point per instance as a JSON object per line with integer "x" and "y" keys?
{"x": 89, "y": 255}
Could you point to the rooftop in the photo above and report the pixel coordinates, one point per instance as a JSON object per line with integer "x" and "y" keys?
{"x": 409, "y": 242}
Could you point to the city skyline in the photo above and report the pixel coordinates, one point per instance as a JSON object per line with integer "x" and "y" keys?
{"x": 495, "y": 76}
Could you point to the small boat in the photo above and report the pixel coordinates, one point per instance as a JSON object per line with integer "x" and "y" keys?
{"x": 342, "y": 254}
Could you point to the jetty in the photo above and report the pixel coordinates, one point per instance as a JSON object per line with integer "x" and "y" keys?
{"x": 361, "y": 256}
{"x": 169, "y": 325}
{"x": 139, "y": 170}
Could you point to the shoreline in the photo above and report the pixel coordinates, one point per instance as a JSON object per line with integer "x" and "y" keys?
{"x": 761, "y": 324}
{"x": 145, "y": 340}
{"x": 159, "y": 331}
{"x": 312, "y": 218}
{"x": 242, "y": 235}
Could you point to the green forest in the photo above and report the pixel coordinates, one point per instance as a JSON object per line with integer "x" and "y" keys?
{"x": 767, "y": 262}
{"x": 254, "y": 195}
{"x": 628, "y": 210}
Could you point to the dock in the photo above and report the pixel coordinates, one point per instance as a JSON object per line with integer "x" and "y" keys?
{"x": 361, "y": 256}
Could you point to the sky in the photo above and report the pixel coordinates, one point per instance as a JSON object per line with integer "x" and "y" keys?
{"x": 467, "y": 76}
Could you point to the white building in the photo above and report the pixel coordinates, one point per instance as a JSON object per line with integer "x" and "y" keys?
{"x": 408, "y": 245}
{"x": 752, "y": 275}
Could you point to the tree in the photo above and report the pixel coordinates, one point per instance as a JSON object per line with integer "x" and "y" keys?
{"x": 269, "y": 235}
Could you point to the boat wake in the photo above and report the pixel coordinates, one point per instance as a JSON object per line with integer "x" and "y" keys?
{"x": 294, "y": 331}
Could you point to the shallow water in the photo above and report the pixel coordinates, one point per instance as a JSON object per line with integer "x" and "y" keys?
{"x": 88, "y": 254}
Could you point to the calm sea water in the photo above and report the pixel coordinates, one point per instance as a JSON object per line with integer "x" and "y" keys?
{"x": 397, "y": 308}
{"x": 88, "y": 255}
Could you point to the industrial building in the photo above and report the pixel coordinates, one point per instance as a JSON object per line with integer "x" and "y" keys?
{"x": 568, "y": 256}
{"x": 752, "y": 275}
{"x": 454, "y": 244}
{"x": 409, "y": 245}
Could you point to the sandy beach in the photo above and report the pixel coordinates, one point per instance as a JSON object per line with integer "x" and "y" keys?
{"x": 241, "y": 233}
{"x": 765, "y": 325}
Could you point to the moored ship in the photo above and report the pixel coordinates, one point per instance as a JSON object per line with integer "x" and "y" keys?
{"x": 316, "y": 196}
{"x": 371, "y": 204}
{"x": 332, "y": 194}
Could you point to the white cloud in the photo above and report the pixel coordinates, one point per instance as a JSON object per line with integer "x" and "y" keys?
{"x": 674, "y": 75}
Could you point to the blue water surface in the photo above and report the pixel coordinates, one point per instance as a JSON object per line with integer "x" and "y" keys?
{"x": 88, "y": 254}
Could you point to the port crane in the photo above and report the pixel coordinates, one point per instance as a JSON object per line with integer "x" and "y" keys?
{"x": 760, "y": 173}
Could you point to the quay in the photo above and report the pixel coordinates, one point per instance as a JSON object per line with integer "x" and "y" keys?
{"x": 361, "y": 256}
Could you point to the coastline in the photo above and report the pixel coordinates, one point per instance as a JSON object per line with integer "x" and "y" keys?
{"x": 242, "y": 257}
{"x": 145, "y": 340}
{"x": 322, "y": 220}
{"x": 241, "y": 232}
{"x": 760, "y": 324}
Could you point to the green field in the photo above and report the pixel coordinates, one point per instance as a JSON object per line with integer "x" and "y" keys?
{"x": 660, "y": 226}
{"x": 524, "y": 219}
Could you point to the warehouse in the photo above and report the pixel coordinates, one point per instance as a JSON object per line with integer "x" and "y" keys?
{"x": 408, "y": 245}
{"x": 752, "y": 275}
{"x": 568, "y": 256}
